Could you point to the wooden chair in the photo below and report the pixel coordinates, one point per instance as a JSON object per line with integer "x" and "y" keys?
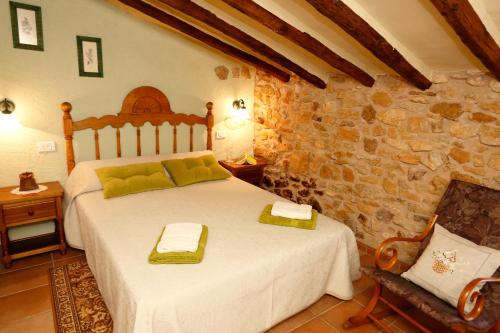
{"x": 470, "y": 211}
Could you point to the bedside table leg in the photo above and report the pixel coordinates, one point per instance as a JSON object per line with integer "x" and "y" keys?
{"x": 5, "y": 248}
{"x": 60, "y": 226}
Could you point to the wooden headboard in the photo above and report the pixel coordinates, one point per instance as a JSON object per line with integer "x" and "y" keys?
{"x": 143, "y": 104}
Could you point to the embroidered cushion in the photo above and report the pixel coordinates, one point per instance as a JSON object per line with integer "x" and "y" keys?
{"x": 133, "y": 178}
{"x": 449, "y": 263}
{"x": 188, "y": 171}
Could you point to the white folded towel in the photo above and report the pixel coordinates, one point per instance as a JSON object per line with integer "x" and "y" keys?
{"x": 292, "y": 210}
{"x": 180, "y": 237}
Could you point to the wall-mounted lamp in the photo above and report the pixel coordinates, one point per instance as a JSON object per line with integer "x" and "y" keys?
{"x": 7, "y": 106}
{"x": 239, "y": 104}
{"x": 240, "y": 110}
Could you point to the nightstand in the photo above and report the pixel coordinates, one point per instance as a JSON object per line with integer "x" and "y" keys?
{"x": 247, "y": 172}
{"x": 20, "y": 210}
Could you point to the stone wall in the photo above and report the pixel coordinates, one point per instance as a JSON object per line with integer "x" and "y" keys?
{"x": 377, "y": 159}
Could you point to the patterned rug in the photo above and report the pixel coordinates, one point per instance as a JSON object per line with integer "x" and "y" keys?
{"x": 78, "y": 304}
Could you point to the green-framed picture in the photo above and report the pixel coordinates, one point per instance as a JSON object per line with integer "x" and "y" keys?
{"x": 26, "y": 21}
{"x": 89, "y": 56}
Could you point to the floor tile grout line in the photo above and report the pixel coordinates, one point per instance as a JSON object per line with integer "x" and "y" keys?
{"x": 28, "y": 317}
{"x": 11, "y": 270}
{"x": 332, "y": 307}
{"x": 307, "y": 321}
{"x": 328, "y": 324}
{"x": 24, "y": 290}
{"x": 52, "y": 261}
{"x": 390, "y": 322}
{"x": 28, "y": 289}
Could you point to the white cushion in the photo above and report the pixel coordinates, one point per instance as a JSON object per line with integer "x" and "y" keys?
{"x": 449, "y": 263}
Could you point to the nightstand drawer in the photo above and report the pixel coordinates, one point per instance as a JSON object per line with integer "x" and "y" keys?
{"x": 250, "y": 173}
{"x": 29, "y": 211}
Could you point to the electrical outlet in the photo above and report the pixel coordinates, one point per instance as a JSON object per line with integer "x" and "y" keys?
{"x": 220, "y": 134}
{"x": 46, "y": 146}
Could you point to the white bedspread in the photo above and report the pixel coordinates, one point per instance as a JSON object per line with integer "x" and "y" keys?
{"x": 252, "y": 276}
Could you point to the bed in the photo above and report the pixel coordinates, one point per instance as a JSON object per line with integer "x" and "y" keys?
{"x": 252, "y": 275}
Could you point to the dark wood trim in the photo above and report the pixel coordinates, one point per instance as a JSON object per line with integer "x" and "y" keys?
{"x": 302, "y": 39}
{"x": 343, "y": 16}
{"x": 199, "y": 13}
{"x": 205, "y": 38}
{"x": 471, "y": 30}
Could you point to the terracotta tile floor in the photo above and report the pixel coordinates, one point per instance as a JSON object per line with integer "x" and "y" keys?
{"x": 25, "y": 301}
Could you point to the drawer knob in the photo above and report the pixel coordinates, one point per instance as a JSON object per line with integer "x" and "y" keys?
{"x": 31, "y": 212}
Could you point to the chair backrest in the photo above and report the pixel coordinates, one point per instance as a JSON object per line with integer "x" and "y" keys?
{"x": 470, "y": 211}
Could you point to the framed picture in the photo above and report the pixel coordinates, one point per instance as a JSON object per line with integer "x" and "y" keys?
{"x": 89, "y": 56}
{"x": 26, "y": 20}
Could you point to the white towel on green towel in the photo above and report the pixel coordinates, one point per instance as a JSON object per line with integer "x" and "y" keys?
{"x": 291, "y": 210}
{"x": 180, "y": 237}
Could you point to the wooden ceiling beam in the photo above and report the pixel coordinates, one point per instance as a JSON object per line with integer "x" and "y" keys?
{"x": 201, "y": 14}
{"x": 302, "y": 39}
{"x": 471, "y": 30}
{"x": 205, "y": 38}
{"x": 343, "y": 16}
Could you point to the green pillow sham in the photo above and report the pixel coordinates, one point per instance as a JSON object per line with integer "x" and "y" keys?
{"x": 133, "y": 178}
{"x": 192, "y": 170}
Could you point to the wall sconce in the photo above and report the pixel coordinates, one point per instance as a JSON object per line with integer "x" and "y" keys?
{"x": 7, "y": 106}
{"x": 8, "y": 121}
{"x": 239, "y": 104}
{"x": 241, "y": 112}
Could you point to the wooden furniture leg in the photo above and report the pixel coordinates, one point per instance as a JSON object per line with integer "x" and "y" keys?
{"x": 362, "y": 317}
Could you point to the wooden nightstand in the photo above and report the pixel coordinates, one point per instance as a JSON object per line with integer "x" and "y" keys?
{"x": 17, "y": 210}
{"x": 249, "y": 173}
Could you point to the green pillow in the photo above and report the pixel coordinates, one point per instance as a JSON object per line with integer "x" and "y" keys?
{"x": 192, "y": 170}
{"x": 133, "y": 178}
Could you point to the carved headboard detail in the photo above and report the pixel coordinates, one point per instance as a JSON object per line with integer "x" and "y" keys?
{"x": 141, "y": 105}
{"x": 145, "y": 100}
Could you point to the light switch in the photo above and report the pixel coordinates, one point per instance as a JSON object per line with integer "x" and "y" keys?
{"x": 220, "y": 134}
{"x": 46, "y": 146}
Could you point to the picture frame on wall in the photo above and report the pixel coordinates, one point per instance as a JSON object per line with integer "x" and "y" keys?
{"x": 26, "y": 22}
{"x": 89, "y": 56}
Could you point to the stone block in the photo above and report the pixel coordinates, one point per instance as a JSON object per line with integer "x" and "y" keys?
{"x": 382, "y": 98}
{"x": 347, "y": 133}
{"x": 451, "y": 111}
{"x": 489, "y": 135}
{"x": 419, "y": 145}
{"x": 459, "y": 155}
{"x": 392, "y": 117}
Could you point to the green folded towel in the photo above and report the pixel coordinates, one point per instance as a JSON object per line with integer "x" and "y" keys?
{"x": 267, "y": 218}
{"x": 180, "y": 257}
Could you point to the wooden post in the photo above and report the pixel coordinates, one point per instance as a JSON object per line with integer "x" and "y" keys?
{"x": 210, "y": 124}
{"x": 66, "y": 107}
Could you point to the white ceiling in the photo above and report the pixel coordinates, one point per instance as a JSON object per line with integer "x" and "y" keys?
{"x": 414, "y": 27}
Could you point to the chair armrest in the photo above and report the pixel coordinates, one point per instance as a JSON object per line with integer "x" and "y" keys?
{"x": 475, "y": 297}
{"x": 386, "y": 262}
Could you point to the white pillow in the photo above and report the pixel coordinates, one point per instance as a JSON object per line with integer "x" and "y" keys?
{"x": 449, "y": 263}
